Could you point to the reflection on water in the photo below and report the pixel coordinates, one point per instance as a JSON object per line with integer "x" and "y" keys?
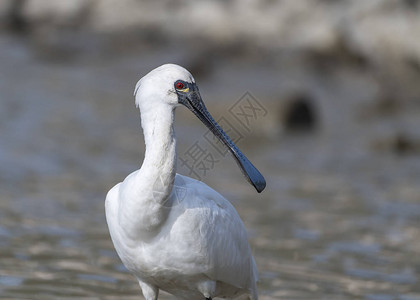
{"x": 337, "y": 220}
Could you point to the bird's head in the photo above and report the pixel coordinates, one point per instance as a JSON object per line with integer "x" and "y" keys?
{"x": 172, "y": 85}
{"x": 164, "y": 85}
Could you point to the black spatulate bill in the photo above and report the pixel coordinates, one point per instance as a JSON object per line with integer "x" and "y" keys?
{"x": 190, "y": 97}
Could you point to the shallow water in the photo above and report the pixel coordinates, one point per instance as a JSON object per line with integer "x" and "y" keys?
{"x": 338, "y": 220}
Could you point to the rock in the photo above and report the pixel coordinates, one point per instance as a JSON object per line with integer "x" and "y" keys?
{"x": 400, "y": 143}
{"x": 299, "y": 114}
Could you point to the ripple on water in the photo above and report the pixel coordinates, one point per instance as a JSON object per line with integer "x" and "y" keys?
{"x": 404, "y": 277}
{"x": 96, "y": 277}
{"x": 391, "y": 297}
{"x": 353, "y": 247}
{"x": 10, "y": 280}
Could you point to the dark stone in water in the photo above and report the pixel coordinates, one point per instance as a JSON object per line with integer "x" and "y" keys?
{"x": 15, "y": 19}
{"x": 300, "y": 115}
{"x": 388, "y": 105}
{"x": 413, "y": 64}
{"x": 412, "y": 3}
{"x": 403, "y": 145}
{"x": 399, "y": 143}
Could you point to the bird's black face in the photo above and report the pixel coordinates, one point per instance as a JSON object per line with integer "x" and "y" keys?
{"x": 187, "y": 93}
{"x": 189, "y": 96}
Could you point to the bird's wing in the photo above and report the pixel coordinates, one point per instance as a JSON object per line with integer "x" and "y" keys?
{"x": 222, "y": 236}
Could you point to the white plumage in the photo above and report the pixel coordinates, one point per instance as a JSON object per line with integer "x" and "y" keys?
{"x": 173, "y": 232}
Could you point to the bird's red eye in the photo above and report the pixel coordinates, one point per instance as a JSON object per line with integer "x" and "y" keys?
{"x": 179, "y": 85}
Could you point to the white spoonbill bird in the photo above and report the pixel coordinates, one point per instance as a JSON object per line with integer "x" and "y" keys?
{"x": 173, "y": 232}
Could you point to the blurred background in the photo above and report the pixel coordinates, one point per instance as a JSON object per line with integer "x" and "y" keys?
{"x": 323, "y": 96}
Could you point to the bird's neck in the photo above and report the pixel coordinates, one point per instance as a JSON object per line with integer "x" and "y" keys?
{"x": 159, "y": 165}
{"x": 147, "y": 203}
